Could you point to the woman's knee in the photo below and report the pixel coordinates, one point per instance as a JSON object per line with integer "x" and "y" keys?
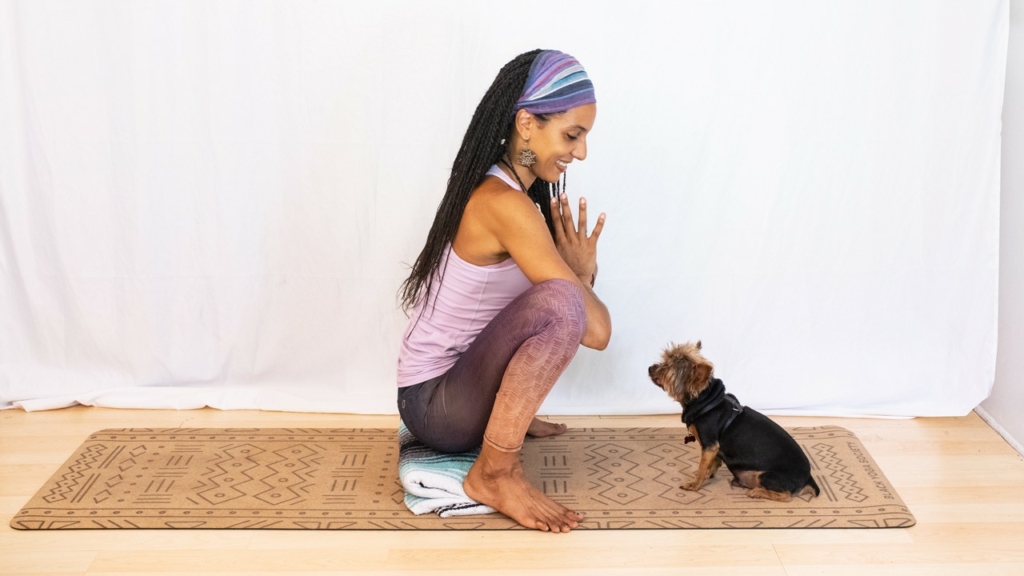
{"x": 562, "y": 301}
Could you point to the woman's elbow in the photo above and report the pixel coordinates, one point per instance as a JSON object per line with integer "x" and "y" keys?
{"x": 598, "y": 338}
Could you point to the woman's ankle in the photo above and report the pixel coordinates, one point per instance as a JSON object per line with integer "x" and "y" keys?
{"x": 501, "y": 446}
{"x": 493, "y": 461}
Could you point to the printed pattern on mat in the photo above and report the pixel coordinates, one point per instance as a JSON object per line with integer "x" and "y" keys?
{"x": 347, "y": 479}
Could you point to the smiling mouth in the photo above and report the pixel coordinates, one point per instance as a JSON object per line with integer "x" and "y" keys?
{"x": 562, "y": 165}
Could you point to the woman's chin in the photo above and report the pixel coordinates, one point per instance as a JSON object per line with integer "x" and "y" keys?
{"x": 550, "y": 176}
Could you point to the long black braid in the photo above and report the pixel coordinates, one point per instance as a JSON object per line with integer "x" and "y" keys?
{"x": 484, "y": 144}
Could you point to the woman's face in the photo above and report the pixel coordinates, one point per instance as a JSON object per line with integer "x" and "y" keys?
{"x": 560, "y": 140}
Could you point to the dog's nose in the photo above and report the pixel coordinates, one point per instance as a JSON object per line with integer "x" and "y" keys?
{"x": 651, "y": 369}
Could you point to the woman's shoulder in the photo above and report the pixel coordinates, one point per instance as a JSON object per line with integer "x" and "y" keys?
{"x": 495, "y": 218}
{"x": 496, "y": 201}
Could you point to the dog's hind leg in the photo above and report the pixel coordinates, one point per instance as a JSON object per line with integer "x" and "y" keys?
{"x": 746, "y": 479}
{"x": 751, "y": 479}
{"x": 761, "y": 492}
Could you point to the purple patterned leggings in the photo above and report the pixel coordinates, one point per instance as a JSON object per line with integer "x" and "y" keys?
{"x": 497, "y": 385}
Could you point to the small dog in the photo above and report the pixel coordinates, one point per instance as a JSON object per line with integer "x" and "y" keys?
{"x": 762, "y": 456}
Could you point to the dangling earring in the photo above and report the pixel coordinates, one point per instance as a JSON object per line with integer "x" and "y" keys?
{"x": 527, "y": 157}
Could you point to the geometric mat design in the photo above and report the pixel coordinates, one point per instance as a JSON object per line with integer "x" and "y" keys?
{"x": 331, "y": 479}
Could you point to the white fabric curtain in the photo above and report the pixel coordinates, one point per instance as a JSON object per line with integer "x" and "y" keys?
{"x": 214, "y": 202}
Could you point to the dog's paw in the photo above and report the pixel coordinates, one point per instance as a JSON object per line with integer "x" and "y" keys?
{"x": 692, "y": 486}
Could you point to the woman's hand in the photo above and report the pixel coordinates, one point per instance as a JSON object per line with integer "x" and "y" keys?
{"x": 578, "y": 249}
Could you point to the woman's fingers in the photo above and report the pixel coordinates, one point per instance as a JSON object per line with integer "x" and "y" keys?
{"x": 583, "y": 218}
{"x": 561, "y": 215}
{"x": 582, "y": 231}
{"x": 598, "y": 227}
{"x": 567, "y": 223}
{"x": 557, "y": 221}
{"x": 577, "y": 248}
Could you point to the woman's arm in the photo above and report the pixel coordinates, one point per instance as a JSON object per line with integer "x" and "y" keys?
{"x": 520, "y": 229}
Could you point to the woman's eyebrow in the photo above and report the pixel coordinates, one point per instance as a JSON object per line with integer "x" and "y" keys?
{"x": 577, "y": 127}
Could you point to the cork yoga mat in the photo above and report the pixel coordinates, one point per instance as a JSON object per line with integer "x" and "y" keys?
{"x": 329, "y": 479}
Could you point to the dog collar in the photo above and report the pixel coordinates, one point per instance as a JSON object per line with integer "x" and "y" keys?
{"x": 712, "y": 397}
{"x": 736, "y": 409}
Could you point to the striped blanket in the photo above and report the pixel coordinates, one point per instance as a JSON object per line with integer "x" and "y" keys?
{"x": 433, "y": 480}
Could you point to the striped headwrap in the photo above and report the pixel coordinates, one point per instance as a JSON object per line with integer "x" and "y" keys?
{"x": 557, "y": 82}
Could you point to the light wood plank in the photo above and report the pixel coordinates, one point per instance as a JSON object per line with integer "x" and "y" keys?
{"x": 34, "y": 562}
{"x": 556, "y": 557}
{"x": 973, "y": 551}
{"x": 120, "y": 540}
{"x": 338, "y": 557}
{"x": 491, "y": 571}
{"x": 977, "y": 569}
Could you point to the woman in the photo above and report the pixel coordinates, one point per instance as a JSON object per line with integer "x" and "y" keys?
{"x": 501, "y": 295}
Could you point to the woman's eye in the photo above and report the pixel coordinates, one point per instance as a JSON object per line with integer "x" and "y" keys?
{"x": 572, "y": 136}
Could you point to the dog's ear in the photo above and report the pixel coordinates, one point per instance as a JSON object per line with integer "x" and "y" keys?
{"x": 698, "y": 380}
{"x": 703, "y": 374}
{"x": 698, "y": 344}
{"x": 683, "y": 369}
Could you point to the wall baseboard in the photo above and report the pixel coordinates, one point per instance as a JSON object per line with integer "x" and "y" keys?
{"x": 1000, "y": 430}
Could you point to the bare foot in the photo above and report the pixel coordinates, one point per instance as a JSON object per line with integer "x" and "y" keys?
{"x": 541, "y": 429}
{"x": 496, "y": 479}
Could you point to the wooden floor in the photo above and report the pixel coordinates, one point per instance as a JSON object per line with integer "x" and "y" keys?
{"x": 959, "y": 478}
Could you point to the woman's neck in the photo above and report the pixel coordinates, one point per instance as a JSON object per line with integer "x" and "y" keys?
{"x": 520, "y": 174}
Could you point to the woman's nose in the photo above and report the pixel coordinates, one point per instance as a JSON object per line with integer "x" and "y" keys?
{"x": 580, "y": 151}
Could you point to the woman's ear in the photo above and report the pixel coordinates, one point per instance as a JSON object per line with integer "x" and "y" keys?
{"x": 525, "y": 123}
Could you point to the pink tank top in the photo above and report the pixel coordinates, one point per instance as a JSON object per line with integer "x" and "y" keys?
{"x": 468, "y": 299}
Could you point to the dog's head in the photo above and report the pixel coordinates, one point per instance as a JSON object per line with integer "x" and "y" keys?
{"x": 683, "y": 372}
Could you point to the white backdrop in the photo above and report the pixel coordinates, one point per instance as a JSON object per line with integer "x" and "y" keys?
{"x": 213, "y": 203}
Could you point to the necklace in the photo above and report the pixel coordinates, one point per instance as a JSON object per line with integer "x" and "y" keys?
{"x": 508, "y": 164}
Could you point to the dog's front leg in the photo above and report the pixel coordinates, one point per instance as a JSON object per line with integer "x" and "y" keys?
{"x": 709, "y": 462}
{"x": 714, "y": 466}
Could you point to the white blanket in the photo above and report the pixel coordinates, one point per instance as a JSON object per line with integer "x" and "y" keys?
{"x": 433, "y": 480}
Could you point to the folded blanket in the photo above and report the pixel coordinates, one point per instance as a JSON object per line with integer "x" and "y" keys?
{"x": 433, "y": 480}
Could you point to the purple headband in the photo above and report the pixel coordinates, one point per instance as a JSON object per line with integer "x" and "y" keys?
{"x": 557, "y": 82}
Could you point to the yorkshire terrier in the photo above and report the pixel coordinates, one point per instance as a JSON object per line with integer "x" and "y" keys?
{"x": 762, "y": 457}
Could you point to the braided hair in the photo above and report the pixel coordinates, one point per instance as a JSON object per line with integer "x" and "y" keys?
{"x": 486, "y": 143}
